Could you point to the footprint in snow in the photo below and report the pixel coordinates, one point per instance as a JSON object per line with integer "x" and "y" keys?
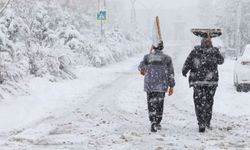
{"x": 159, "y": 139}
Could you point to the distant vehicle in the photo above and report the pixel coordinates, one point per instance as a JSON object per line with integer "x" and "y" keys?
{"x": 242, "y": 71}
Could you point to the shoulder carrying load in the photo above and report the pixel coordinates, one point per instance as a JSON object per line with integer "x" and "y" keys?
{"x": 206, "y": 33}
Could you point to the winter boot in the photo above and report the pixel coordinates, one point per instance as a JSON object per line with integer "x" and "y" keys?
{"x": 158, "y": 126}
{"x": 208, "y": 126}
{"x": 153, "y": 127}
{"x": 202, "y": 128}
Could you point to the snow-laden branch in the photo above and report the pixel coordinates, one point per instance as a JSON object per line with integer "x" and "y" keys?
{"x": 5, "y": 6}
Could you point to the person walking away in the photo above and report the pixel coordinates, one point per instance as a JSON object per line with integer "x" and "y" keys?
{"x": 158, "y": 70}
{"x": 202, "y": 63}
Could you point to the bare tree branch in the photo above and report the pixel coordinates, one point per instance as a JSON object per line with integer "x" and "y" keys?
{"x": 5, "y": 6}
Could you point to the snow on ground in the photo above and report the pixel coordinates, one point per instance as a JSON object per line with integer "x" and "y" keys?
{"x": 106, "y": 109}
{"x": 229, "y": 101}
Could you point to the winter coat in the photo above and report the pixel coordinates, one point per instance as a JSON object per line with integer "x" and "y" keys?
{"x": 203, "y": 66}
{"x": 159, "y": 72}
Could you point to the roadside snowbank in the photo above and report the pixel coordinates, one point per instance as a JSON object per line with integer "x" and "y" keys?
{"x": 45, "y": 97}
{"x": 228, "y": 100}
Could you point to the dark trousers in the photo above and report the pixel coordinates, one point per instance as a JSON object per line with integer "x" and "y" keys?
{"x": 204, "y": 100}
{"x": 155, "y": 106}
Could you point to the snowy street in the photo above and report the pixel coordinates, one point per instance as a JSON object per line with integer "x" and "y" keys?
{"x": 92, "y": 75}
{"x": 106, "y": 109}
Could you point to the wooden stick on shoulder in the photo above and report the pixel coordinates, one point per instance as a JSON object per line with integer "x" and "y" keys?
{"x": 158, "y": 27}
{"x": 158, "y": 30}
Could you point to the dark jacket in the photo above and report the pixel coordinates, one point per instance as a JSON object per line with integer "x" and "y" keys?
{"x": 203, "y": 66}
{"x": 159, "y": 72}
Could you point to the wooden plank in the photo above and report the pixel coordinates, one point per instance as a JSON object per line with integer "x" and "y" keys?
{"x": 207, "y": 33}
{"x": 158, "y": 26}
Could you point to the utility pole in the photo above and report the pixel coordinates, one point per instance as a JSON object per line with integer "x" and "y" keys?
{"x": 238, "y": 33}
{"x": 102, "y": 6}
{"x": 133, "y": 13}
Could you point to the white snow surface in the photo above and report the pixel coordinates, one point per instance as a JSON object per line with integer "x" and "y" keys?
{"x": 105, "y": 108}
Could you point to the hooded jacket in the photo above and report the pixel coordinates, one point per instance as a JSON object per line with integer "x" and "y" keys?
{"x": 159, "y": 72}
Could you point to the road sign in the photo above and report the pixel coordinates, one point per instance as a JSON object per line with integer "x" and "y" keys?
{"x": 102, "y": 15}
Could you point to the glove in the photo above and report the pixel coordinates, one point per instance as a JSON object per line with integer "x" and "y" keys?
{"x": 170, "y": 91}
{"x": 142, "y": 73}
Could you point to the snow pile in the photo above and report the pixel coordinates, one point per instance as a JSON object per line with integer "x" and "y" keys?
{"x": 43, "y": 39}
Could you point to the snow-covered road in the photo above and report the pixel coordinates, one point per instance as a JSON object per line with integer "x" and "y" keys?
{"x": 106, "y": 109}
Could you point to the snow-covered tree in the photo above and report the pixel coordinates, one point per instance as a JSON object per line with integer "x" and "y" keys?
{"x": 12, "y": 31}
{"x": 233, "y": 18}
{"x": 47, "y": 38}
